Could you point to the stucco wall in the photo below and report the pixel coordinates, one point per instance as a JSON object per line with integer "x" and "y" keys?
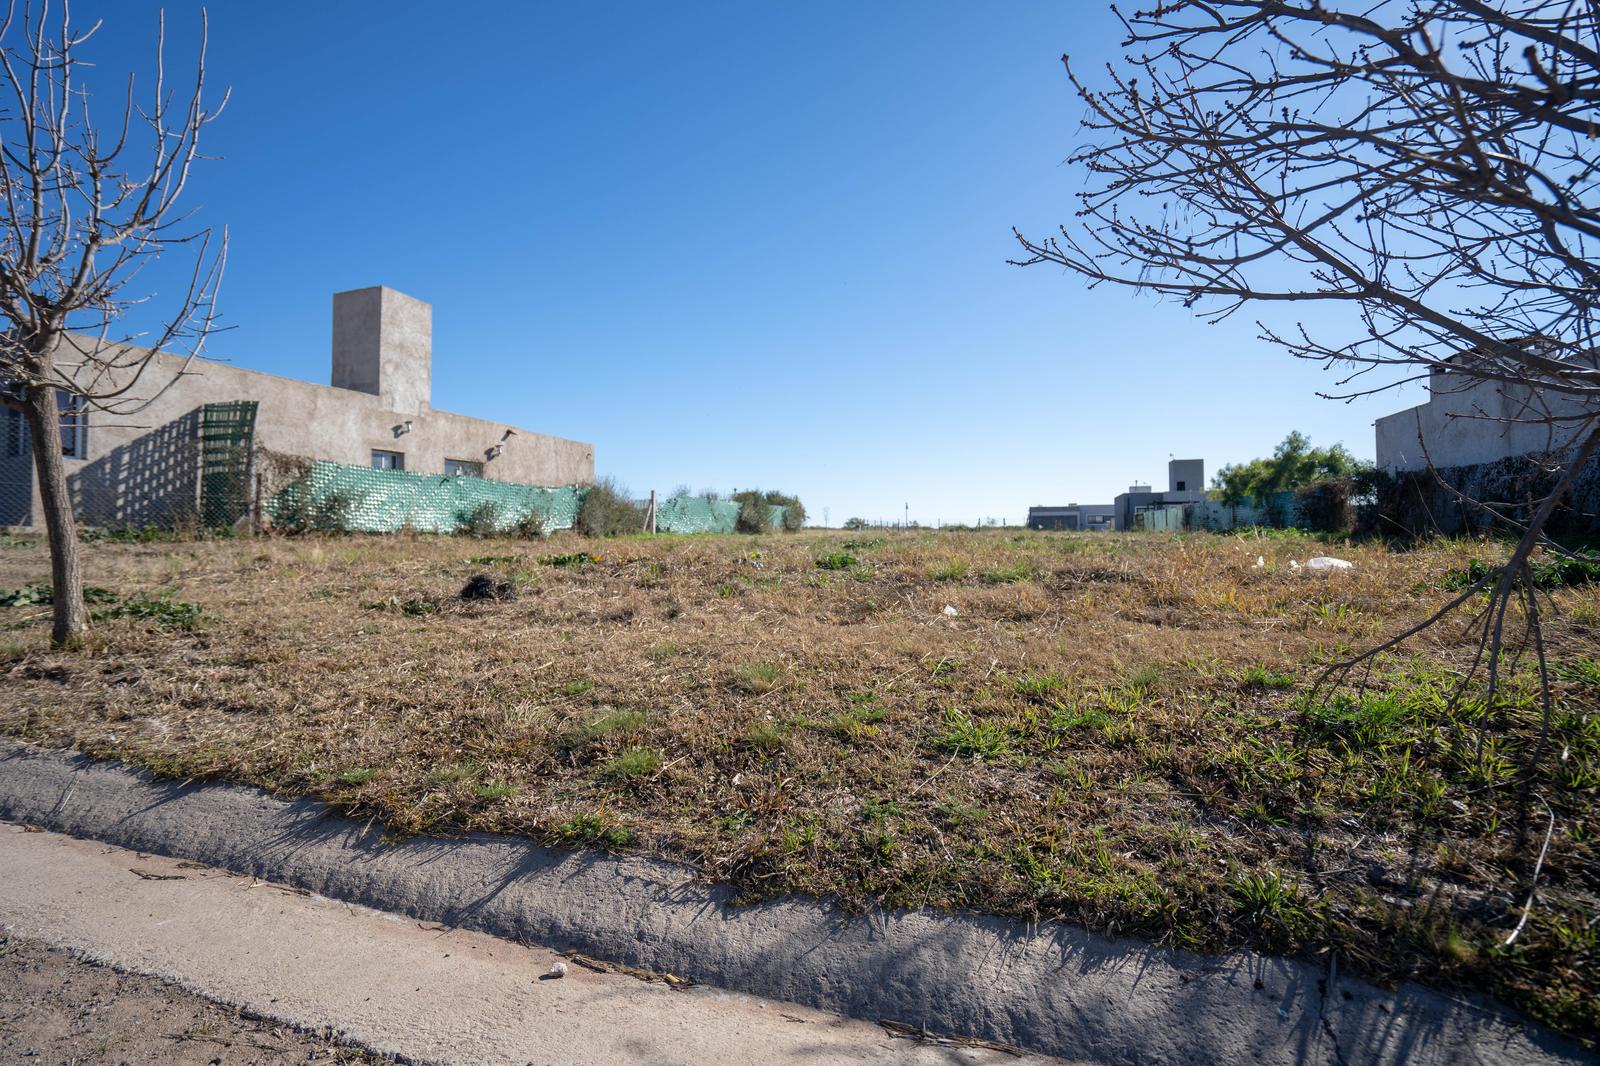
{"x": 304, "y": 419}
{"x": 1461, "y": 425}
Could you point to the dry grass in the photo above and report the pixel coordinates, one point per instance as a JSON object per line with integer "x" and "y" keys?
{"x": 1112, "y": 730}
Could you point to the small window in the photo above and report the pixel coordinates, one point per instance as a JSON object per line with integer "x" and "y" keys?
{"x": 388, "y": 460}
{"x": 1181, "y": 486}
{"x": 463, "y": 468}
{"x": 74, "y": 424}
{"x": 16, "y": 434}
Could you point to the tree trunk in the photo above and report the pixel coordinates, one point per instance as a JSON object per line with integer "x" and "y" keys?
{"x": 66, "y": 576}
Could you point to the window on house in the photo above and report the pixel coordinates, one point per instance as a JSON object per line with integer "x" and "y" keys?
{"x": 463, "y": 468}
{"x": 388, "y": 460}
{"x": 16, "y": 433}
{"x": 74, "y": 424}
{"x": 1181, "y": 486}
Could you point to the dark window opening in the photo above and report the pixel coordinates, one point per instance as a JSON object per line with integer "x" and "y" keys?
{"x": 74, "y": 424}
{"x": 382, "y": 460}
{"x": 1180, "y": 486}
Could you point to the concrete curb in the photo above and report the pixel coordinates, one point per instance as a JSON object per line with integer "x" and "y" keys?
{"x": 1057, "y": 990}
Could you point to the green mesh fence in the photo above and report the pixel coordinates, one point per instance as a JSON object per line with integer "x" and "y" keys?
{"x": 335, "y": 496}
{"x": 696, "y": 514}
{"x": 362, "y": 500}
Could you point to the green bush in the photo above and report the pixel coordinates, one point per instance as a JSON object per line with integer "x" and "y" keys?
{"x": 794, "y": 512}
{"x": 303, "y": 513}
{"x": 755, "y": 514}
{"x": 530, "y": 526}
{"x": 607, "y": 511}
{"x": 482, "y": 521}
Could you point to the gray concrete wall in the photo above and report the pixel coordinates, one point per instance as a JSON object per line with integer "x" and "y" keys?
{"x": 141, "y": 455}
{"x": 1192, "y": 472}
{"x": 383, "y": 345}
{"x": 1467, "y": 423}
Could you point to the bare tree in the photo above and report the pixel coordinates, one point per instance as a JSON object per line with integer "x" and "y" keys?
{"x": 84, "y": 212}
{"x": 1428, "y": 166}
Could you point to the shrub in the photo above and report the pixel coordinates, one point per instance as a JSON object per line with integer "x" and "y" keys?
{"x": 302, "y": 513}
{"x": 607, "y": 511}
{"x": 755, "y": 514}
{"x": 531, "y": 525}
{"x": 794, "y": 512}
{"x": 855, "y": 523}
{"x": 1325, "y": 506}
{"x": 482, "y": 521}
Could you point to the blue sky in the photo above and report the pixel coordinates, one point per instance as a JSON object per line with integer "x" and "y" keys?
{"x": 731, "y": 244}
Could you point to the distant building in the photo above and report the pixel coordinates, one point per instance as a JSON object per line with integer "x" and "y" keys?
{"x": 191, "y": 450}
{"x": 1470, "y": 420}
{"x": 1074, "y": 516}
{"x": 1186, "y": 483}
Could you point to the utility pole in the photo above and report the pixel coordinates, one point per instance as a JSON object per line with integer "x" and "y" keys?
{"x": 908, "y": 517}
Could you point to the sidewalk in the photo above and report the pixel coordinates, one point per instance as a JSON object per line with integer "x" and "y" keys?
{"x": 388, "y": 983}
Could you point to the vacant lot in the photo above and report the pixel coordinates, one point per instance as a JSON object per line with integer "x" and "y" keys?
{"x": 1115, "y": 730}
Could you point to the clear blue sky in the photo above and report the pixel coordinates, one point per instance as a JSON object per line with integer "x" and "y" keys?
{"x": 731, "y": 244}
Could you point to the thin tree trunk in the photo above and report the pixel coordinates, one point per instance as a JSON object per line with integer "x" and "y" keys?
{"x": 66, "y": 576}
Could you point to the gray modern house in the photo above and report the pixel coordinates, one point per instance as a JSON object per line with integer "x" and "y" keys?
{"x": 158, "y": 463}
{"x": 1074, "y": 516}
{"x": 1186, "y": 483}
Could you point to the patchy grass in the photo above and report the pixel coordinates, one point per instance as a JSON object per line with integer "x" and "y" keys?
{"x": 1118, "y": 731}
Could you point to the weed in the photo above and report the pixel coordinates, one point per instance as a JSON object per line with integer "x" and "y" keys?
{"x": 1259, "y": 677}
{"x": 495, "y": 790}
{"x": 595, "y": 729}
{"x": 1371, "y": 721}
{"x": 594, "y": 829}
{"x": 954, "y": 814}
{"x": 1007, "y": 575}
{"x": 837, "y": 560}
{"x": 1555, "y": 573}
{"x": 964, "y": 735}
{"x": 570, "y": 559}
{"x": 1269, "y": 903}
{"x": 1579, "y": 672}
{"x": 766, "y": 737}
{"x": 42, "y": 595}
{"x": 631, "y": 764}
{"x": 758, "y": 678}
{"x": 954, "y": 570}
{"x": 161, "y": 611}
{"x": 1038, "y": 686}
{"x": 359, "y": 776}
{"x": 856, "y": 724}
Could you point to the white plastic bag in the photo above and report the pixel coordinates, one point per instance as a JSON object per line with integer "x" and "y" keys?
{"x": 1328, "y": 562}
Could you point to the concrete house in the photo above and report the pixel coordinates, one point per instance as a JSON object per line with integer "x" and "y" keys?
{"x": 1468, "y": 420}
{"x": 1078, "y": 516}
{"x": 1186, "y": 483}
{"x": 159, "y": 464}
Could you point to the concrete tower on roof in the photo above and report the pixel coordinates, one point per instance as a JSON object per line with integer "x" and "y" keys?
{"x": 383, "y": 345}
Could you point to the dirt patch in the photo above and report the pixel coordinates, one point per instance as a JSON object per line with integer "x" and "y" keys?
{"x": 58, "y": 1008}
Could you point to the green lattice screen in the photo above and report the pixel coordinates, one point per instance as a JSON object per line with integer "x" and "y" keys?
{"x": 226, "y": 433}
